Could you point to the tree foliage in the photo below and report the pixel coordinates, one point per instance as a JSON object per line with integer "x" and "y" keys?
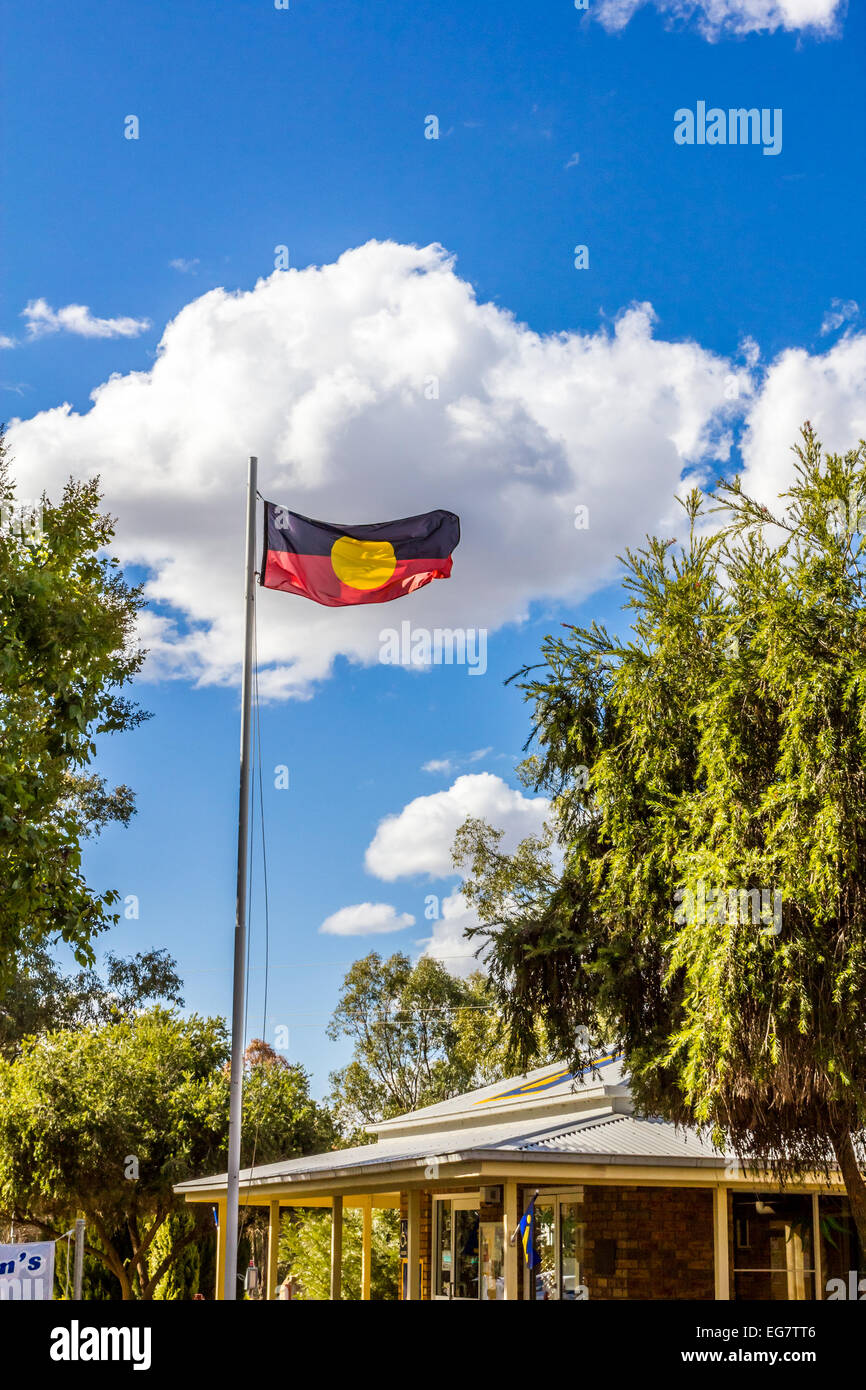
{"x": 105, "y": 1119}
{"x": 67, "y": 650}
{"x": 305, "y": 1253}
{"x": 726, "y": 746}
{"x": 420, "y": 1035}
{"x": 42, "y": 999}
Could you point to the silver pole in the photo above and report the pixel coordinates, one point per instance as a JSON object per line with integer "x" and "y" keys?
{"x": 78, "y": 1266}
{"x": 230, "y": 1235}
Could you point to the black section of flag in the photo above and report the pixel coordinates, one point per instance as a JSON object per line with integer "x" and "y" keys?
{"x": 432, "y": 535}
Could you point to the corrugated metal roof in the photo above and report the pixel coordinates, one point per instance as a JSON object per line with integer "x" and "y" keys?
{"x": 625, "y": 1136}
{"x": 596, "y": 1137}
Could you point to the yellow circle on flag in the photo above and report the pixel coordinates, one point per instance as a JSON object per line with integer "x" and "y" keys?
{"x": 363, "y": 564}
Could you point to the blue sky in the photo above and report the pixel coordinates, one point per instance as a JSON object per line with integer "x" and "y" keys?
{"x": 305, "y": 128}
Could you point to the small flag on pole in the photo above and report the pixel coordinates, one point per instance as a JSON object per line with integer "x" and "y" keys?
{"x": 526, "y": 1227}
{"x": 339, "y": 565}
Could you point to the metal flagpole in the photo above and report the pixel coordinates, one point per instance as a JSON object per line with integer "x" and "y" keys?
{"x": 230, "y": 1235}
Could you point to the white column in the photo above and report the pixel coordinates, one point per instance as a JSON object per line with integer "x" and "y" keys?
{"x": 720, "y": 1243}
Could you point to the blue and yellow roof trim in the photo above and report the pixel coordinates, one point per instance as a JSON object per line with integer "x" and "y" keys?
{"x": 545, "y": 1083}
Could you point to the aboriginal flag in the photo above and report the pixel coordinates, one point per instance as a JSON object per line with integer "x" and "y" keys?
{"x": 338, "y": 565}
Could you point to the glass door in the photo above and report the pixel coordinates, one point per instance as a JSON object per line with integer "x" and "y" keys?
{"x": 571, "y": 1255}
{"x": 545, "y": 1245}
{"x": 442, "y": 1249}
{"x": 466, "y": 1220}
{"x": 559, "y": 1243}
{"x": 468, "y": 1253}
{"x": 492, "y": 1261}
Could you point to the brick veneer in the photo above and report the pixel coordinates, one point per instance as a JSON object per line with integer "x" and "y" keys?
{"x": 664, "y": 1242}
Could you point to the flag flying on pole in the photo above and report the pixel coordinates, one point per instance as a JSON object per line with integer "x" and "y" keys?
{"x": 338, "y": 565}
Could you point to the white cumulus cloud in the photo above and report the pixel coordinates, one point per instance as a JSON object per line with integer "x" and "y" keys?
{"x": 77, "y": 318}
{"x": 418, "y": 840}
{"x": 366, "y": 919}
{"x": 828, "y": 388}
{"x": 370, "y": 389}
{"x": 449, "y": 943}
{"x": 718, "y": 17}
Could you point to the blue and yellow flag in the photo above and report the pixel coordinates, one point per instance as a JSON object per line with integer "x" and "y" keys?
{"x": 526, "y": 1227}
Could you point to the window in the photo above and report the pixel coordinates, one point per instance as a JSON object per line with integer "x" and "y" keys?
{"x": 843, "y": 1265}
{"x": 774, "y": 1248}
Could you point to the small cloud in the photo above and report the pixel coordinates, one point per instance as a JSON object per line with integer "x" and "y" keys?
{"x": 840, "y": 311}
{"x": 716, "y": 18}
{"x": 366, "y": 919}
{"x": 186, "y": 267}
{"x": 6, "y": 342}
{"x": 451, "y": 764}
{"x": 438, "y": 765}
{"x": 574, "y": 159}
{"x": 77, "y": 319}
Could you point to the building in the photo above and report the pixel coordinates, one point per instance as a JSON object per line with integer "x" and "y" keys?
{"x": 626, "y": 1207}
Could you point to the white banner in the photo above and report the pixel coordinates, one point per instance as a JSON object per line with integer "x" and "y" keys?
{"x": 27, "y": 1271}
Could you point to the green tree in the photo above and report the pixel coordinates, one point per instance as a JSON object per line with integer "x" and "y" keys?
{"x": 105, "y": 1119}
{"x": 718, "y": 753}
{"x": 281, "y": 1120}
{"x": 305, "y": 1253}
{"x": 42, "y": 999}
{"x": 67, "y": 649}
{"x": 420, "y": 1035}
{"x": 182, "y": 1278}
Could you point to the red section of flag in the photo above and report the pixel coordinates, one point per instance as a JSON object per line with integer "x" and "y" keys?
{"x": 312, "y": 576}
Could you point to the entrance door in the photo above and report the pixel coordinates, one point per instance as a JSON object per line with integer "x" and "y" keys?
{"x": 466, "y": 1218}
{"x": 559, "y": 1237}
{"x": 468, "y": 1253}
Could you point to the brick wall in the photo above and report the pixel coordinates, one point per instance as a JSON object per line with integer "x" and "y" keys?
{"x": 664, "y": 1242}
